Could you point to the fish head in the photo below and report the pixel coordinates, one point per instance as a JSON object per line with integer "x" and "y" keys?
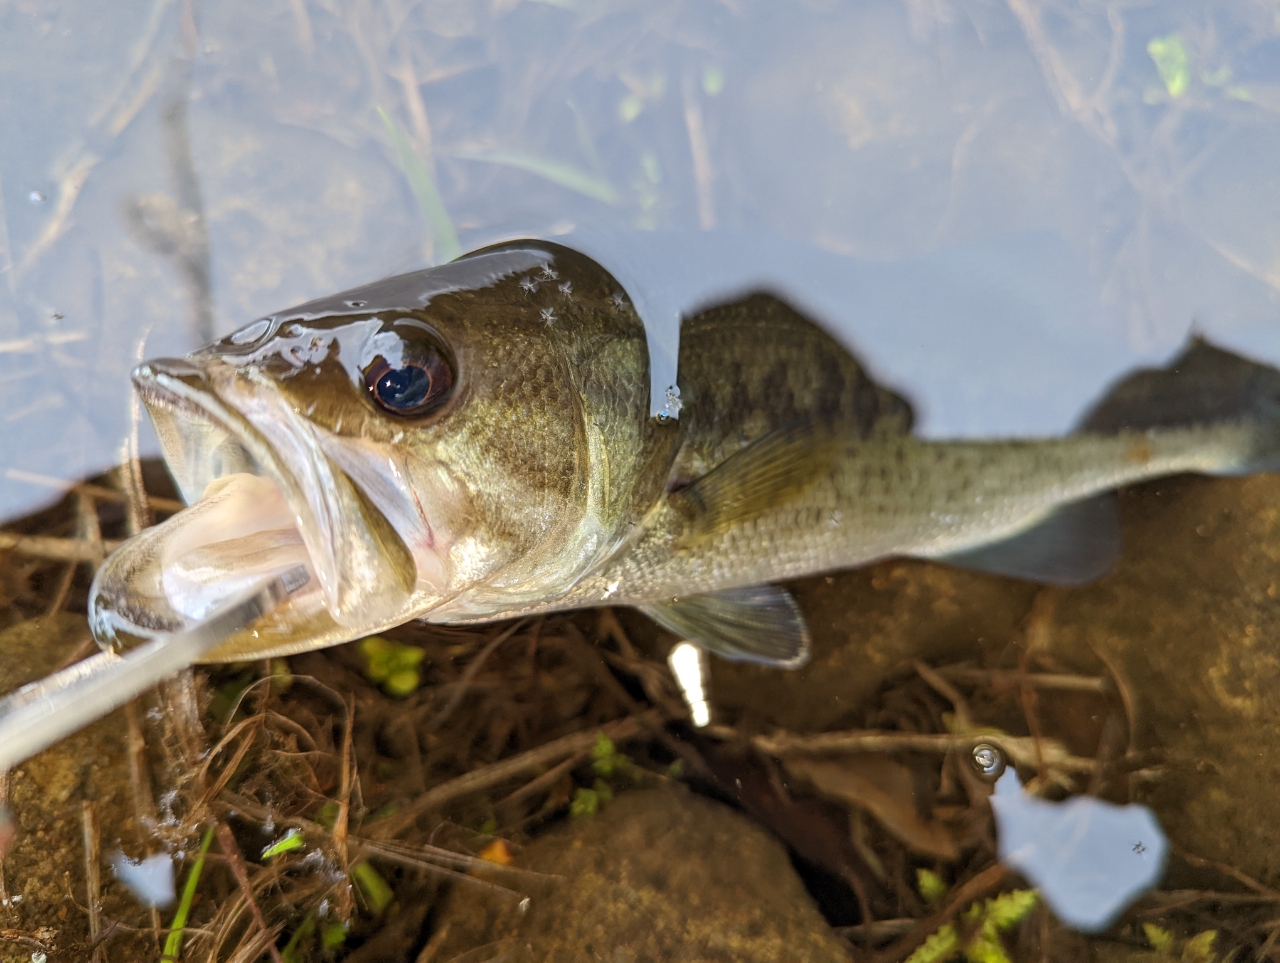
{"x": 452, "y": 443}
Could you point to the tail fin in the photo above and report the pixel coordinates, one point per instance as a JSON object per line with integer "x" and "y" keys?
{"x": 1205, "y": 385}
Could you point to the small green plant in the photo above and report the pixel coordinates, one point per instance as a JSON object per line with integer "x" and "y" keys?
{"x": 588, "y": 802}
{"x": 327, "y": 815}
{"x": 392, "y": 665}
{"x": 1170, "y": 58}
{"x": 610, "y": 766}
{"x": 287, "y": 843}
{"x": 1195, "y": 949}
{"x": 173, "y": 943}
{"x": 977, "y": 937}
{"x": 930, "y": 885}
{"x": 606, "y": 760}
{"x": 377, "y": 894}
{"x": 333, "y": 935}
{"x": 443, "y": 236}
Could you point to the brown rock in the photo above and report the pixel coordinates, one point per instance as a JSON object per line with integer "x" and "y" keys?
{"x": 1190, "y": 618}
{"x": 658, "y": 875}
{"x": 868, "y": 625}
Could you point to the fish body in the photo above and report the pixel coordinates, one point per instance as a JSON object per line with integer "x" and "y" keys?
{"x": 475, "y": 442}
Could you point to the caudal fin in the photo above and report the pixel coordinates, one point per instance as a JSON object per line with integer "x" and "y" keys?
{"x": 1205, "y": 385}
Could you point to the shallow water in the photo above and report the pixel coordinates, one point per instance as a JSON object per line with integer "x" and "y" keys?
{"x": 172, "y": 171}
{"x": 1064, "y": 190}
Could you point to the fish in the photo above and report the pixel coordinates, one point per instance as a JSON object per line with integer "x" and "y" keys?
{"x": 474, "y": 442}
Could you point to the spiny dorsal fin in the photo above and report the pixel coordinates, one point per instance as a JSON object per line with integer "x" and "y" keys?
{"x": 1077, "y": 543}
{"x": 771, "y": 470}
{"x": 759, "y": 623}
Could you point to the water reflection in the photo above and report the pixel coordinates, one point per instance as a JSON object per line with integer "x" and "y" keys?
{"x": 182, "y": 168}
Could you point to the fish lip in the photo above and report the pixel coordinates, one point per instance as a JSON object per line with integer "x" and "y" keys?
{"x": 182, "y": 388}
{"x": 185, "y": 389}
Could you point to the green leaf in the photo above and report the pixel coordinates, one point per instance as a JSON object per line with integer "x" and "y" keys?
{"x": 604, "y": 756}
{"x": 333, "y": 935}
{"x": 1161, "y": 940}
{"x": 603, "y": 793}
{"x": 173, "y": 943}
{"x": 938, "y": 947}
{"x": 595, "y": 186}
{"x": 392, "y": 665}
{"x": 1007, "y": 910}
{"x": 287, "y": 843}
{"x": 585, "y": 803}
{"x": 403, "y": 683}
{"x": 983, "y": 950}
{"x": 376, "y": 892}
{"x": 585, "y": 142}
{"x": 1199, "y": 949}
{"x": 712, "y": 80}
{"x": 629, "y": 108}
{"x": 930, "y": 885}
{"x": 1170, "y": 58}
{"x": 292, "y": 952}
{"x": 444, "y": 237}
{"x": 327, "y": 815}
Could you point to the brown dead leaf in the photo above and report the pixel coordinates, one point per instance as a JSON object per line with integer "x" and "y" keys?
{"x": 885, "y": 789}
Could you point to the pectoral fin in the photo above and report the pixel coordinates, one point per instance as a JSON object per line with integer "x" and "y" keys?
{"x": 760, "y": 623}
{"x": 1076, "y": 544}
{"x": 769, "y": 471}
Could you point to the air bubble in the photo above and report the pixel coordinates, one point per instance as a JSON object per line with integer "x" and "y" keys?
{"x": 987, "y": 760}
{"x": 357, "y": 304}
{"x": 37, "y": 197}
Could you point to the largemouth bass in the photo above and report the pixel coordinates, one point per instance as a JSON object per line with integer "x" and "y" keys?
{"x": 474, "y": 442}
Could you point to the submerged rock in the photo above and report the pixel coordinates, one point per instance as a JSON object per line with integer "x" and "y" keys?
{"x": 1190, "y": 619}
{"x": 658, "y": 874}
{"x": 1089, "y": 859}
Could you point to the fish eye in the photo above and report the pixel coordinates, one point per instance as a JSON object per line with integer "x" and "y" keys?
{"x": 419, "y": 381}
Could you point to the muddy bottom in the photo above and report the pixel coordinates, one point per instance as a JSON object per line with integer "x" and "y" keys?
{"x": 534, "y": 790}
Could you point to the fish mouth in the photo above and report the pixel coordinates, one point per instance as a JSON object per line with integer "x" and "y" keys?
{"x": 263, "y": 498}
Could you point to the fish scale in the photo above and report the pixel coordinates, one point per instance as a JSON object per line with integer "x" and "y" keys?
{"x": 537, "y": 479}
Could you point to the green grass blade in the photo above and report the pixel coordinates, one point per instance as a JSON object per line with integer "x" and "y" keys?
{"x": 595, "y": 186}
{"x": 173, "y": 943}
{"x": 444, "y": 237}
{"x": 585, "y": 143}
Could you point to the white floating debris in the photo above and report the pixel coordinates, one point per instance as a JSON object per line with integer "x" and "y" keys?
{"x": 150, "y": 880}
{"x": 1090, "y": 859}
{"x": 672, "y": 406}
{"x": 688, "y": 664}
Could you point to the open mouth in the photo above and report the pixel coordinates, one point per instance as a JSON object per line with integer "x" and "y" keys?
{"x": 263, "y": 500}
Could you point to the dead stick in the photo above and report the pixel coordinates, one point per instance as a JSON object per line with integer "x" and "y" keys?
{"x": 1021, "y": 748}
{"x": 1006, "y": 678}
{"x": 92, "y": 880}
{"x": 144, "y": 809}
{"x": 54, "y": 549}
{"x": 498, "y": 772}
{"x": 227, "y": 843}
